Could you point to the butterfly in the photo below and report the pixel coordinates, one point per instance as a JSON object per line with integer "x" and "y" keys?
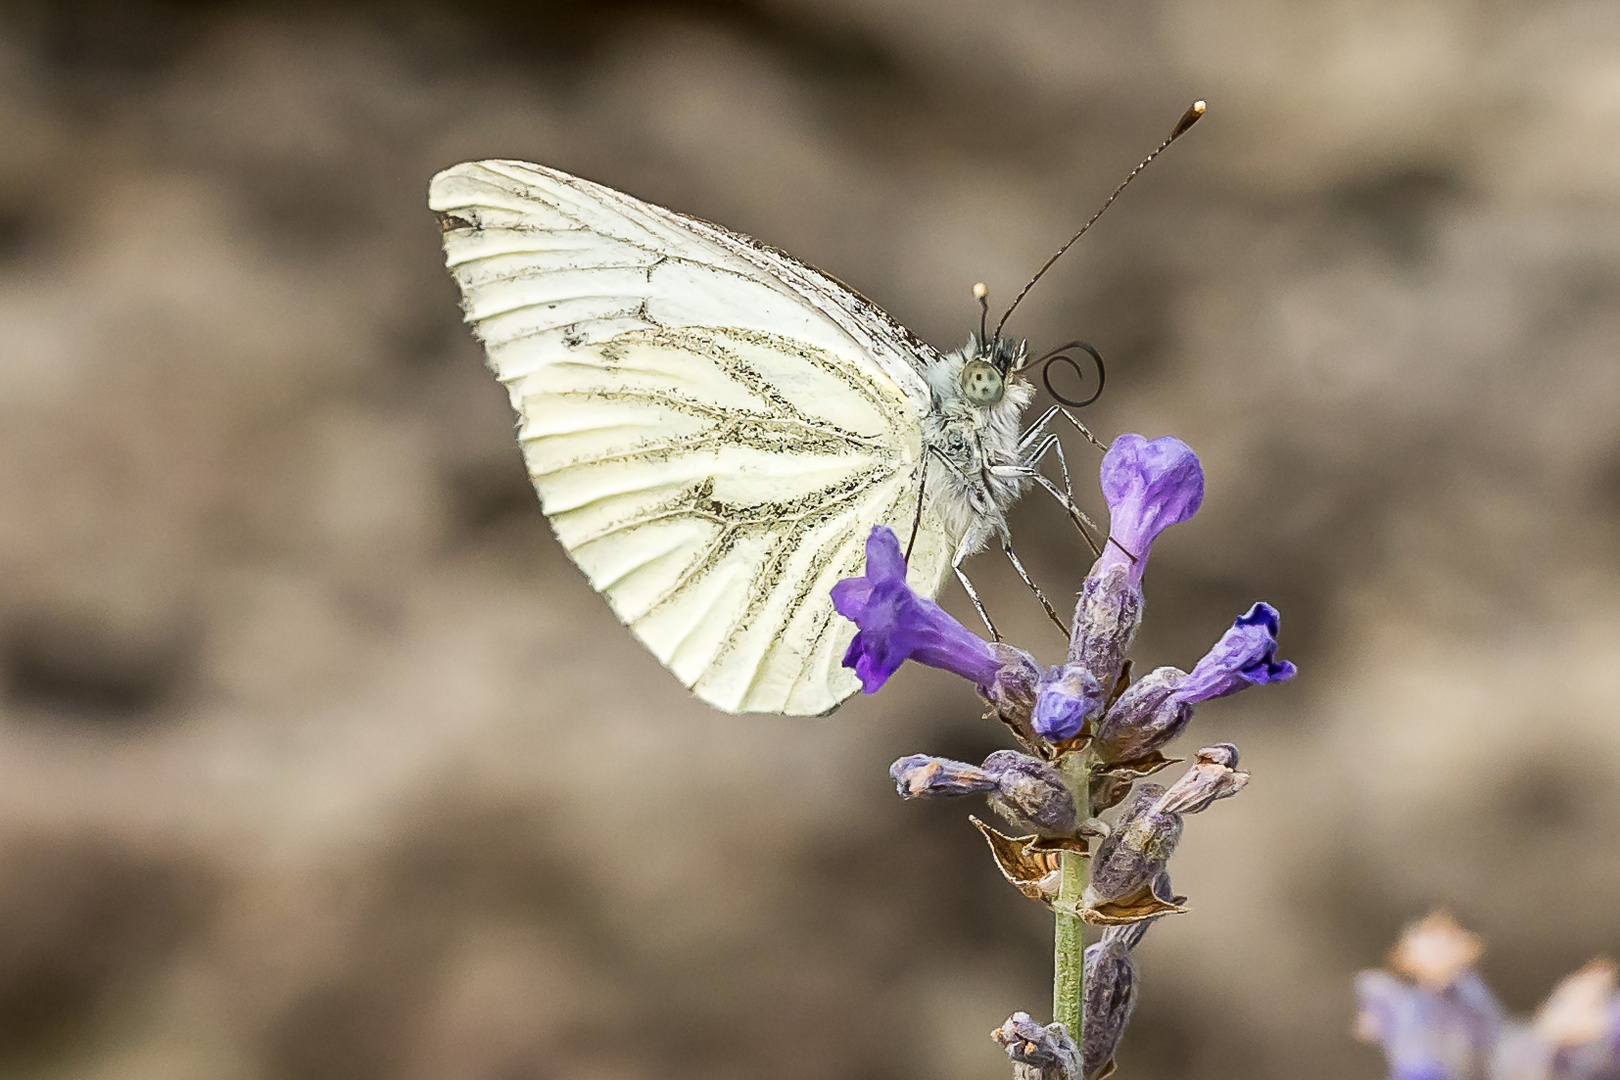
{"x": 714, "y": 427}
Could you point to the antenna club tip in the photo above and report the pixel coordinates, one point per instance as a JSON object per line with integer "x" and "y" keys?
{"x": 1188, "y": 119}
{"x": 980, "y": 291}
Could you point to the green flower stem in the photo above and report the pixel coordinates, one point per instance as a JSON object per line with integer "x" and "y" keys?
{"x": 1069, "y": 951}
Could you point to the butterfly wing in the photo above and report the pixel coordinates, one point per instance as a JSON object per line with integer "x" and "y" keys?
{"x": 713, "y": 428}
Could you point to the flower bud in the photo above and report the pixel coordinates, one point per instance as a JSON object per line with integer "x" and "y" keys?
{"x": 920, "y": 776}
{"x": 1110, "y": 998}
{"x": 1105, "y": 623}
{"x": 1146, "y": 716}
{"x": 1215, "y": 776}
{"x": 1069, "y": 696}
{"x": 1135, "y": 853}
{"x": 1031, "y": 794}
{"x": 1012, "y": 691}
{"x": 1037, "y": 1052}
{"x": 1111, "y": 990}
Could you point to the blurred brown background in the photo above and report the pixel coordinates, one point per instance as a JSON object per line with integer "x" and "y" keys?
{"x": 318, "y": 761}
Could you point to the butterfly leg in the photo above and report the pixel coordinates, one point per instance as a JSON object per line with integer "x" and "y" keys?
{"x": 1030, "y": 469}
{"x": 916, "y": 518}
{"x": 1055, "y": 445}
{"x": 1033, "y": 446}
{"x": 1038, "y": 428}
{"x": 962, "y": 552}
{"x": 1018, "y": 565}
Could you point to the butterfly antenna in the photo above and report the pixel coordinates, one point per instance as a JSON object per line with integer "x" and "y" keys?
{"x": 1188, "y": 119}
{"x": 981, "y": 293}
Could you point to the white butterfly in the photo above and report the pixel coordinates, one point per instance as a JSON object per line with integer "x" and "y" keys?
{"x": 714, "y": 427}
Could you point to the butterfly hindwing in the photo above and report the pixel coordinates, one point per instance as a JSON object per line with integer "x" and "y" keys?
{"x": 707, "y": 422}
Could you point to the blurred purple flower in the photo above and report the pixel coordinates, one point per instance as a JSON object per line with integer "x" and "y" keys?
{"x": 1575, "y": 1035}
{"x": 897, "y": 625}
{"x": 1429, "y": 1033}
{"x": 1149, "y": 486}
{"x": 1245, "y": 656}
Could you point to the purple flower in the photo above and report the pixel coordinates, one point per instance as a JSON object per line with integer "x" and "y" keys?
{"x": 1573, "y": 1035}
{"x": 1245, "y": 656}
{"x": 1149, "y": 487}
{"x": 1155, "y": 708}
{"x": 897, "y": 625}
{"x": 1436, "y": 1018}
{"x": 1069, "y": 696}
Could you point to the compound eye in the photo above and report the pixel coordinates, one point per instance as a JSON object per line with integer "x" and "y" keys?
{"x": 982, "y": 383}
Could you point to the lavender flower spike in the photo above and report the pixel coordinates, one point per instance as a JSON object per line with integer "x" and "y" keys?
{"x": 1149, "y": 486}
{"x": 1246, "y": 655}
{"x": 897, "y": 625}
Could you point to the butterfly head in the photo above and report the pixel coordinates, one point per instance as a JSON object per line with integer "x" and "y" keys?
{"x": 984, "y": 375}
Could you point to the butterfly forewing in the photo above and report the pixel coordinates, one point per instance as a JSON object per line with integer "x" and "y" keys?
{"x": 712, "y": 428}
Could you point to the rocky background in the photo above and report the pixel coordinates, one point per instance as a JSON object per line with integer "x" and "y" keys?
{"x": 318, "y": 760}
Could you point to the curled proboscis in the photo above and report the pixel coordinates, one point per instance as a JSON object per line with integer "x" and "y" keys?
{"x": 1061, "y": 354}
